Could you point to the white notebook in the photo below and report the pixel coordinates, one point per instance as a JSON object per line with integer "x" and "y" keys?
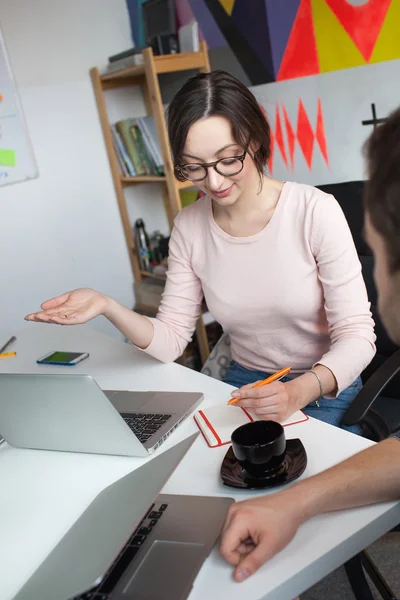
{"x": 217, "y": 423}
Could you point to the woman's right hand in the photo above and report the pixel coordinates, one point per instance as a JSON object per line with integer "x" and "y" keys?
{"x": 71, "y": 308}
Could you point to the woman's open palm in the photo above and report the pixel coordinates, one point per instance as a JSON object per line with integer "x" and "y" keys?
{"x": 71, "y": 308}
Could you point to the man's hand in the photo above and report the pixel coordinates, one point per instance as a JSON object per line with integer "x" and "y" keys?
{"x": 255, "y": 530}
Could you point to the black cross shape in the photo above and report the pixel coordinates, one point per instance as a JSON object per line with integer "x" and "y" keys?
{"x": 374, "y": 121}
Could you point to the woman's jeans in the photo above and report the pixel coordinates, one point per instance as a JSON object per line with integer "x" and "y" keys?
{"x": 330, "y": 410}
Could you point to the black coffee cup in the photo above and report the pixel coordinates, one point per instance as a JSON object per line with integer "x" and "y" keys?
{"x": 259, "y": 447}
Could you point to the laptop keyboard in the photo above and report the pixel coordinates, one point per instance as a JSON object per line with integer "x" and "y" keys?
{"x": 144, "y": 425}
{"x": 104, "y": 590}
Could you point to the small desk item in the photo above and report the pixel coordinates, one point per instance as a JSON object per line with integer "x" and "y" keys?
{"x": 294, "y": 465}
{"x": 125, "y": 536}
{"x": 8, "y": 355}
{"x": 8, "y": 343}
{"x": 217, "y": 423}
{"x": 71, "y": 413}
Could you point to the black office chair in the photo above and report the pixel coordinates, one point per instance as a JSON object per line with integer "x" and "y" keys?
{"x": 381, "y": 382}
{"x": 381, "y": 379}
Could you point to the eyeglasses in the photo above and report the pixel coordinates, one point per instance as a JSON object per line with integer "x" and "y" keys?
{"x": 224, "y": 166}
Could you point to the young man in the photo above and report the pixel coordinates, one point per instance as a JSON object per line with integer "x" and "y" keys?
{"x": 257, "y": 529}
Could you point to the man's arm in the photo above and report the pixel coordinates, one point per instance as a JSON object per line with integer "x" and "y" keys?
{"x": 257, "y": 529}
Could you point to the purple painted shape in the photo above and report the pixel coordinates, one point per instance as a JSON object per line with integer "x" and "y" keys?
{"x": 184, "y": 12}
{"x": 252, "y": 24}
{"x": 280, "y": 17}
{"x": 208, "y": 26}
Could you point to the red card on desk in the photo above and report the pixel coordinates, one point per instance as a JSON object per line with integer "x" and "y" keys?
{"x": 217, "y": 423}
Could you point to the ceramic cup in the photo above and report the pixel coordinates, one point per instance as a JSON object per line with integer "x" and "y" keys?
{"x": 259, "y": 447}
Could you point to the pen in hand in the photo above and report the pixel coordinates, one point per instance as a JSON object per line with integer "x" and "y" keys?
{"x": 270, "y": 379}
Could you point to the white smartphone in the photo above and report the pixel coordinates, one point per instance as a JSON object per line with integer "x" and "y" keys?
{"x": 68, "y": 359}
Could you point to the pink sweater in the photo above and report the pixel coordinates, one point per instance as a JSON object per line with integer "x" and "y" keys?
{"x": 292, "y": 294}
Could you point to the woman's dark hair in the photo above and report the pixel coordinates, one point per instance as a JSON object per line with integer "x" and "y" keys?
{"x": 382, "y": 191}
{"x": 218, "y": 94}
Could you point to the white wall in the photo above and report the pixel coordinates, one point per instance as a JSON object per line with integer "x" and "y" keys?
{"x": 62, "y": 230}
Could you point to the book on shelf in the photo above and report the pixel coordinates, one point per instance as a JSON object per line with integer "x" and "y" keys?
{"x": 137, "y": 136}
{"x": 137, "y": 147}
{"x": 188, "y": 36}
{"x": 124, "y": 63}
{"x": 134, "y": 51}
{"x": 122, "y": 155}
{"x": 124, "y": 129}
{"x": 147, "y": 126}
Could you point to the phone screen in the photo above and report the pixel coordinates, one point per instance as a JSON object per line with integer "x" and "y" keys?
{"x": 62, "y": 357}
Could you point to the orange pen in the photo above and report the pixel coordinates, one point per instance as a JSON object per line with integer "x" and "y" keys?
{"x": 270, "y": 379}
{"x": 8, "y": 355}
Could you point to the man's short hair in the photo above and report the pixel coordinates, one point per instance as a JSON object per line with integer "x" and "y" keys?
{"x": 382, "y": 192}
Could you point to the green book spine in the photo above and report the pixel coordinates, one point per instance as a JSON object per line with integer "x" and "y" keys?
{"x": 124, "y": 128}
{"x": 137, "y": 135}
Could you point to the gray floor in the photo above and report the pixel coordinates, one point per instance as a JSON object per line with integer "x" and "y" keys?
{"x": 386, "y": 555}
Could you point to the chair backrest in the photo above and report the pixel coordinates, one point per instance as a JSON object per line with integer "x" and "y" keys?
{"x": 217, "y": 363}
{"x": 350, "y": 197}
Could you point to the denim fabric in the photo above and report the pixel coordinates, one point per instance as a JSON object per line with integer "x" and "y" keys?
{"x": 330, "y": 410}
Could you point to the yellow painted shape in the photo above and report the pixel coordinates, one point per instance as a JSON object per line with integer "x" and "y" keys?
{"x": 387, "y": 46}
{"x": 228, "y": 5}
{"x": 336, "y": 50}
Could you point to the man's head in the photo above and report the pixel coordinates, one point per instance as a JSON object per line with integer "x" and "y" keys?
{"x": 382, "y": 223}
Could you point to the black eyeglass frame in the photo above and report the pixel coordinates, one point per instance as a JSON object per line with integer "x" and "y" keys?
{"x": 214, "y": 164}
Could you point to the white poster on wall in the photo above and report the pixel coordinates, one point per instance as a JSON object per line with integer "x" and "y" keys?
{"x": 17, "y": 162}
{"x": 319, "y": 124}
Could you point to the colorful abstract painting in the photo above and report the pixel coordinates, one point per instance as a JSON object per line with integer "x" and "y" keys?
{"x": 276, "y": 40}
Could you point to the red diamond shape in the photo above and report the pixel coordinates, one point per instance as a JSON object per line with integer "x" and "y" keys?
{"x": 320, "y": 133}
{"x": 290, "y": 135}
{"x": 279, "y": 135}
{"x": 305, "y": 134}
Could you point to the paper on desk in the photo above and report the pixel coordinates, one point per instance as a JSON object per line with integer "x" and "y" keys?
{"x": 217, "y": 423}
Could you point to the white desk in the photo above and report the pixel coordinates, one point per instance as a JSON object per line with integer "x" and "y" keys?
{"x": 43, "y": 493}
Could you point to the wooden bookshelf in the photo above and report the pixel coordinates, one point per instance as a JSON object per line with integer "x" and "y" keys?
{"x": 146, "y": 76}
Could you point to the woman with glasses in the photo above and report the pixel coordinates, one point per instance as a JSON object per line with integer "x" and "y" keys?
{"x": 275, "y": 261}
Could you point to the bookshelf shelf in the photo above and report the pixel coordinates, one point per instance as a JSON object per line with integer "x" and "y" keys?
{"x": 153, "y": 275}
{"x": 181, "y": 185}
{"x": 129, "y": 72}
{"x": 142, "y": 179}
{"x": 146, "y": 76}
{"x": 167, "y": 63}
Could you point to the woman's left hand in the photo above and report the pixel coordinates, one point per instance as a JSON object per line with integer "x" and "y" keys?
{"x": 273, "y": 402}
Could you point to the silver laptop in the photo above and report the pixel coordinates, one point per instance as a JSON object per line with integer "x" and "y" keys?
{"x": 72, "y": 413}
{"x": 130, "y": 544}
